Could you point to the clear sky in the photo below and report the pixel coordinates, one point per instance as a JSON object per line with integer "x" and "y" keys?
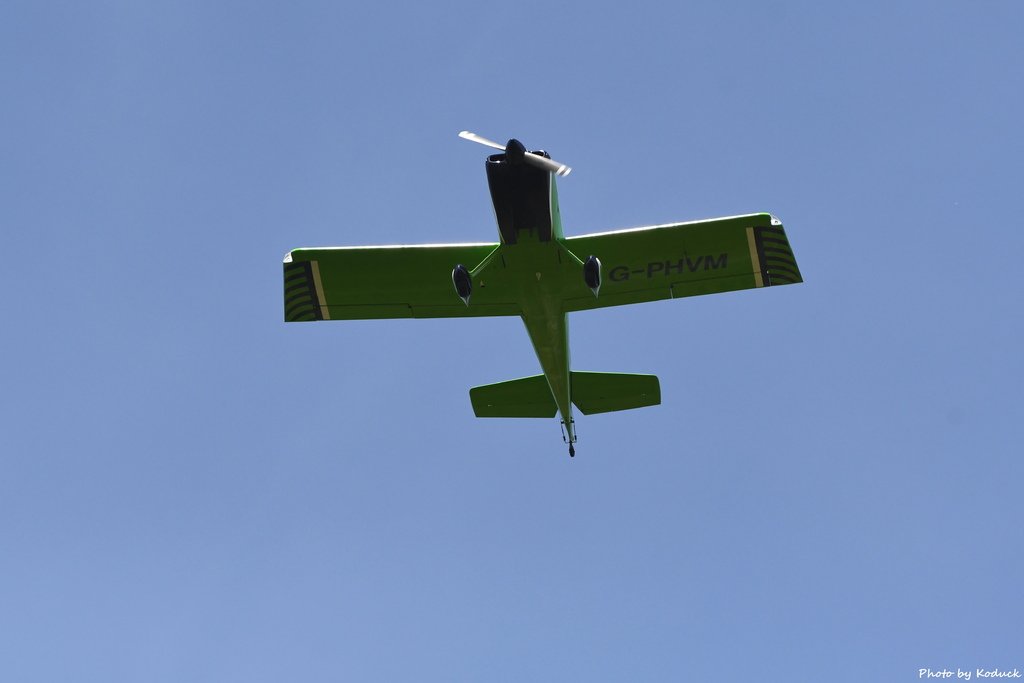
{"x": 191, "y": 490}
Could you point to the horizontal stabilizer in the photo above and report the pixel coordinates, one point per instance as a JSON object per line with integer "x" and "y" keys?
{"x": 603, "y": 392}
{"x": 526, "y": 397}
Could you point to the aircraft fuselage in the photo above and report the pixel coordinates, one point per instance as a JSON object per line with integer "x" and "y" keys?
{"x": 525, "y": 202}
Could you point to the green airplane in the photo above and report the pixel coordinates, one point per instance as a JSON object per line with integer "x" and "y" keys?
{"x": 538, "y": 274}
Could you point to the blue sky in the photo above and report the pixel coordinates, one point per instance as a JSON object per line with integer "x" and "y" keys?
{"x": 193, "y": 490}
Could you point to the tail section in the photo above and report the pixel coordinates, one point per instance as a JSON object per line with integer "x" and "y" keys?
{"x": 592, "y": 392}
{"x": 603, "y": 392}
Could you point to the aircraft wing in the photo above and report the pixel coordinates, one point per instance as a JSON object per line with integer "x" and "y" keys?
{"x": 351, "y": 283}
{"x": 685, "y": 259}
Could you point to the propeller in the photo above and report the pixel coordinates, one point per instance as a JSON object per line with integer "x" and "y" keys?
{"x": 516, "y": 151}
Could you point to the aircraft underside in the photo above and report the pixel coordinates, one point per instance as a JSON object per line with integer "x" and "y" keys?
{"x": 535, "y": 272}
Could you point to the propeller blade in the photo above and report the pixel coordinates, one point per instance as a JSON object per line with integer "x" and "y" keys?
{"x": 473, "y": 137}
{"x": 547, "y": 164}
{"x": 530, "y": 158}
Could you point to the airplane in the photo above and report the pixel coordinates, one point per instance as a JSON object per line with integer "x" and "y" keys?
{"x": 537, "y": 273}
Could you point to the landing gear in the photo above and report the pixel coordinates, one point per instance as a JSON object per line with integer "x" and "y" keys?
{"x": 569, "y": 439}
